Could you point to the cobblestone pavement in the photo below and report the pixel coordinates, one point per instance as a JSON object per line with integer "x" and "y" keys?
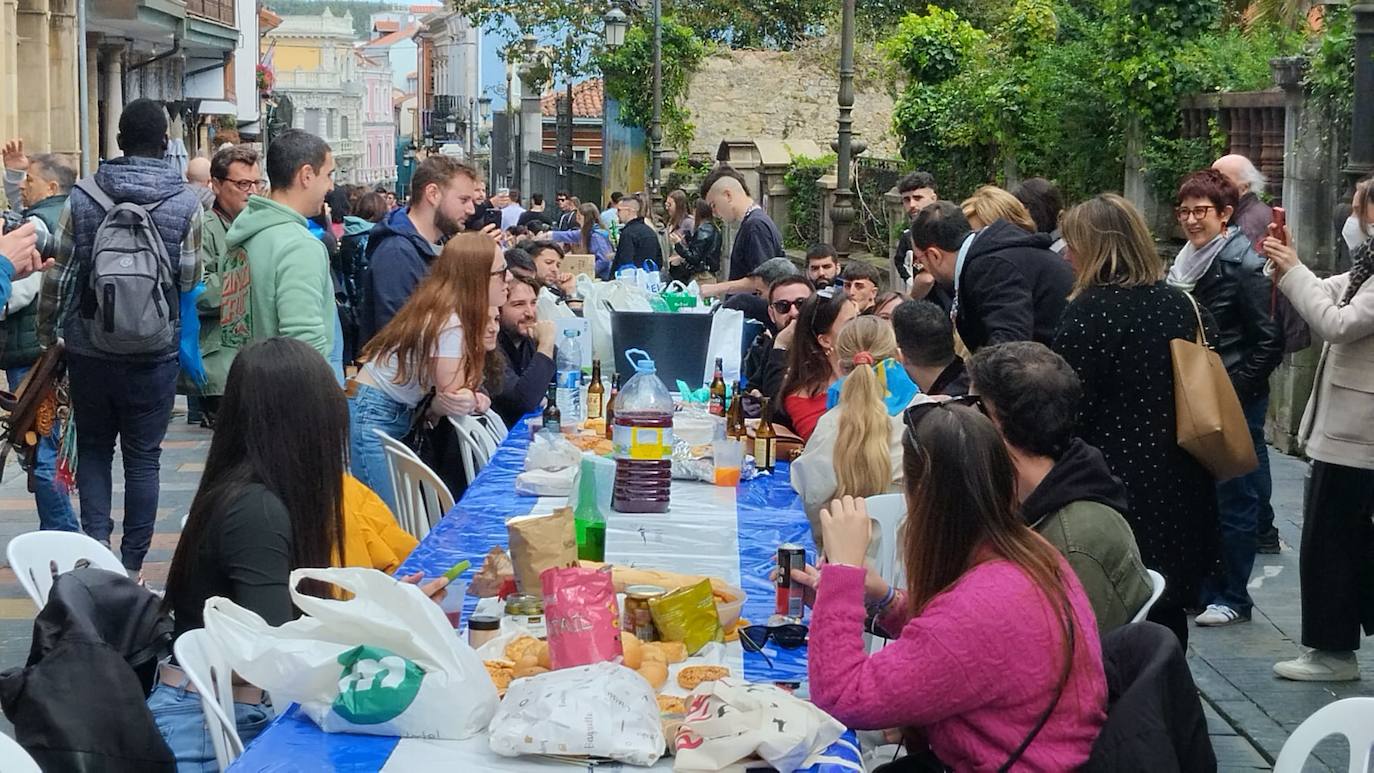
{"x": 1249, "y": 711}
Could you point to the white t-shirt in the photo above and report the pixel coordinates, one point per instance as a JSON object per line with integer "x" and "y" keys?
{"x": 383, "y": 371}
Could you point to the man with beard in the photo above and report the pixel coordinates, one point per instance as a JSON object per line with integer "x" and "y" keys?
{"x": 527, "y": 343}
{"x": 400, "y": 248}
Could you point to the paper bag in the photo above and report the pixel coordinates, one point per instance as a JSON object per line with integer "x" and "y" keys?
{"x": 729, "y": 721}
{"x": 383, "y": 662}
{"x": 539, "y": 542}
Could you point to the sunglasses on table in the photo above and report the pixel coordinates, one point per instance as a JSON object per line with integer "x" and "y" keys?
{"x": 916, "y": 413}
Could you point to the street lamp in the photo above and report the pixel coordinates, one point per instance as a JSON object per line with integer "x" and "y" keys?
{"x": 617, "y": 24}
{"x": 842, "y": 214}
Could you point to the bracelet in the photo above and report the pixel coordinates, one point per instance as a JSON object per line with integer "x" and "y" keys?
{"x": 886, "y": 599}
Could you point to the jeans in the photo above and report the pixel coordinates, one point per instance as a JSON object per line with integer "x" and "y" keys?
{"x": 1238, "y": 503}
{"x": 131, "y": 401}
{"x": 371, "y": 409}
{"x": 181, "y": 720}
{"x": 54, "y": 505}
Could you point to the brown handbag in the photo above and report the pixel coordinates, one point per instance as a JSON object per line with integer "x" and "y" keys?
{"x": 1211, "y": 424}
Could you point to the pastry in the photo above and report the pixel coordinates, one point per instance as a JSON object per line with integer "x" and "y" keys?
{"x": 672, "y": 651}
{"x": 671, "y": 704}
{"x": 521, "y": 646}
{"x": 655, "y": 673}
{"x": 691, "y": 676}
{"x": 634, "y": 651}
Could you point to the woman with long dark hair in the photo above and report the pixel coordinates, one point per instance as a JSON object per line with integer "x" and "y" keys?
{"x": 697, "y": 255}
{"x": 812, "y": 365}
{"x": 433, "y": 346}
{"x": 997, "y": 661}
{"x": 590, "y": 239}
{"x": 679, "y": 215}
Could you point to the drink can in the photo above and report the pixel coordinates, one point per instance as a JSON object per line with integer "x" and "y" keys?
{"x": 790, "y": 599}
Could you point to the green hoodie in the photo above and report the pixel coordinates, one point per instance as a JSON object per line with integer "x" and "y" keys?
{"x": 275, "y": 280}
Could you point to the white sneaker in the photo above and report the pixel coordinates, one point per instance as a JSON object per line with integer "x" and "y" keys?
{"x": 1320, "y": 666}
{"x": 1219, "y": 614}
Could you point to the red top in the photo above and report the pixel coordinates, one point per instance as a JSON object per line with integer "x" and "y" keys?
{"x": 805, "y": 412}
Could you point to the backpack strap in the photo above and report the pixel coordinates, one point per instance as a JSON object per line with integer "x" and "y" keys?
{"x": 91, "y": 188}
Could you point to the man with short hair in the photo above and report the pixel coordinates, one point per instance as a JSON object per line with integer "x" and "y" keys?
{"x": 275, "y": 274}
{"x": 235, "y": 175}
{"x": 765, "y": 363}
{"x": 402, "y": 246}
{"x": 122, "y": 395}
{"x": 917, "y": 190}
{"x": 1007, "y": 284}
{"x": 536, "y": 212}
{"x": 1251, "y": 215}
{"x": 521, "y": 263}
{"x": 757, "y": 238}
{"x": 198, "y": 180}
{"x": 609, "y": 215}
{"x": 821, "y": 265}
{"x": 567, "y": 211}
{"x": 528, "y": 345}
{"x": 511, "y": 209}
{"x": 1066, "y": 491}
{"x": 925, "y": 341}
{"x": 638, "y": 241}
{"x": 861, "y": 284}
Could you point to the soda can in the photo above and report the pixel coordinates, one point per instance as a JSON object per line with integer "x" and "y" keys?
{"x": 790, "y": 599}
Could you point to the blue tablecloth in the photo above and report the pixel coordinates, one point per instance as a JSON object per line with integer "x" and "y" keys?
{"x": 768, "y": 514}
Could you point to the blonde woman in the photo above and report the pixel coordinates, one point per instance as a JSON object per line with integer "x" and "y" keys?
{"x": 989, "y": 204}
{"x": 856, "y": 449}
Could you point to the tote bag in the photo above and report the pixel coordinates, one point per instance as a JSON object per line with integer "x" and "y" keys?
{"x": 1211, "y": 424}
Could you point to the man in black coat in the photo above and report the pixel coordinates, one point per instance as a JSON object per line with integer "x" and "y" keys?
{"x": 1007, "y": 284}
{"x": 527, "y": 343}
{"x": 638, "y": 242}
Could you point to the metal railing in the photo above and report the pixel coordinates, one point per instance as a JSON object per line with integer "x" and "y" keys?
{"x": 583, "y": 180}
{"x": 221, "y": 11}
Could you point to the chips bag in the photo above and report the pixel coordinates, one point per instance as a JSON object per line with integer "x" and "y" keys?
{"x": 582, "y": 616}
{"x": 539, "y": 542}
{"x": 688, "y": 615}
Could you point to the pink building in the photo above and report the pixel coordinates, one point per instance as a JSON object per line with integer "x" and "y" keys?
{"x": 378, "y": 157}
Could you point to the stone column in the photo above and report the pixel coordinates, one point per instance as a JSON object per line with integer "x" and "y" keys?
{"x": 62, "y": 85}
{"x": 842, "y": 213}
{"x": 531, "y": 118}
{"x": 114, "y": 99}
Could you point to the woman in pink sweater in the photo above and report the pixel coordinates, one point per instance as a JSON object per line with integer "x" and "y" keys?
{"x": 998, "y": 659}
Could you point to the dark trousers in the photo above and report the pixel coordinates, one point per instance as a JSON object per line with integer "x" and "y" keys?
{"x": 1337, "y": 559}
{"x": 131, "y": 401}
{"x": 1240, "y": 502}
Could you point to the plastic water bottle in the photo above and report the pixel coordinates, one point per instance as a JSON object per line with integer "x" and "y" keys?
{"x": 569, "y": 379}
{"x": 643, "y": 435}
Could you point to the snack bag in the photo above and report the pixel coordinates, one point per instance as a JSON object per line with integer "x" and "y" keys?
{"x": 539, "y": 542}
{"x": 688, "y": 615}
{"x": 582, "y": 616}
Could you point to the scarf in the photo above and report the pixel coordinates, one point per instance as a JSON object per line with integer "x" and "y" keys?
{"x": 1361, "y": 268}
{"x": 1193, "y": 262}
{"x": 898, "y": 388}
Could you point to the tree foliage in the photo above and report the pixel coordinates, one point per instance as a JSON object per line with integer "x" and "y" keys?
{"x": 629, "y": 78}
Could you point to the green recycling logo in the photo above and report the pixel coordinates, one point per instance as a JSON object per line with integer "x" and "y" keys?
{"x": 376, "y": 685}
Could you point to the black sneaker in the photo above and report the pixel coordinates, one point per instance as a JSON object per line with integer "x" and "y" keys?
{"x": 1268, "y": 542}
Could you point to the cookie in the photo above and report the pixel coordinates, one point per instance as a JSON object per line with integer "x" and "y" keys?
{"x": 501, "y": 673}
{"x": 691, "y": 676}
{"x": 522, "y": 646}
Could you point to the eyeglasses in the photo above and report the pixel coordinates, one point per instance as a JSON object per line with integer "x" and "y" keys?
{"x": 501, "y": 271}
{"x": 244, "y": 186}
{"x": 789, "y": 636}
{"x": 916, "y": 413}
{"x": 1197, "y": 213}
{"x": 783, "y": 307}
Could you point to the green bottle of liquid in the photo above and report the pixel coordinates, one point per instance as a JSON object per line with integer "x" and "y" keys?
{"x": 588, "y": 519}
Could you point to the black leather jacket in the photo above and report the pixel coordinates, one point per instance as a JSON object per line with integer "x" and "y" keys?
{"x": 1238, "y": 295}
{"x": 700, "y": 253}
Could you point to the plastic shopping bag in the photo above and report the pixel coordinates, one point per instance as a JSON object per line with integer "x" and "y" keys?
{"x": 599, "y": 300}
{"x": 550, "y": 307}
{"x": 729, "y": 721}
{"x": 384, "y": 662}
{"x": 601, "y": 710}
{"x": 727, "y": 341}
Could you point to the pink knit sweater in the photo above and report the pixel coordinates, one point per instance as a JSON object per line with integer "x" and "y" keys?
{"x": 975, "y": 670}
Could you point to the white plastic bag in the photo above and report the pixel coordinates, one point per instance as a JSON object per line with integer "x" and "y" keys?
{"x": 599, "y": 300}
{"x": 552, "y": 451}
{"x": 601, "y": 710}
{"x": 546, "y": 483}
{"x": 727, "y": 340}
{"x": 549, "y": 307}
{"x": 729, "y": 721}
{"x": 384, "y": 662}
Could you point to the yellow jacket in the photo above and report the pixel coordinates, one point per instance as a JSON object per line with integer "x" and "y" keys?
{"x": 372, "y": 538}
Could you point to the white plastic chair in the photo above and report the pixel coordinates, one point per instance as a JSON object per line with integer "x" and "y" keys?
{"x": 36, "y": 557}
{"x": 1350, "y": 717}
{"x": 1157, "y": 586}
{"x": 199, "y": 657}
{"x": 888, "y": 511}
{"x": 476, "y": 444}
{"x": 15, "y": 758}
{"x": 421, "y": 496}
{"x": 493, "y": 422}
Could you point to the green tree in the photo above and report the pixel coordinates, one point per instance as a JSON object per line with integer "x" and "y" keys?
{"x": 629, "y": 75}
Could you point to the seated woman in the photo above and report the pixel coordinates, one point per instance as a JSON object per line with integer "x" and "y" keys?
{"x": 270, "y": 501}
{"x": 589, "y": 238}
{"x": 864, "y": 428}
{"x": 812, "y": 365}
{"x": 998, "y": 663}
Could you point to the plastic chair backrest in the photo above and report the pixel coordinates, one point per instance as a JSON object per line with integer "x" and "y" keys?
{"x": 498, "y": 428}
{"x": 36, "y": 556}
{"x": 1350, "y": 717}
{"x": 15, "y": 758}
{"x": 476, "y": 444}
{"x": 199, "y": 657}
{"x": 888, "y": 511}
{"x": 421, "y": 496}
{"x": 394, "y": 449}
{"x": 1157, "y": 590}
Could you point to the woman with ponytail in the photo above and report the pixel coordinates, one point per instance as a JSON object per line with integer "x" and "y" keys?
{"x": 863, "y": 426}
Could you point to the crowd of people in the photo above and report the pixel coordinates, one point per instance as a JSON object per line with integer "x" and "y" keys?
{"x": 1014, "y": 382}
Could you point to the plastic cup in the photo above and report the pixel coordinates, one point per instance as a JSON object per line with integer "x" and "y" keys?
{"x": 452, "y": 603}
{"x": 728, "y": 456}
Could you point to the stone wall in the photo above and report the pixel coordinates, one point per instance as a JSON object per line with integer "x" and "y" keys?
{"x": 784, "y": 95}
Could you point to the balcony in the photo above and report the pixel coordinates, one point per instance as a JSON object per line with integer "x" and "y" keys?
{"x": 308, "y": 80}
{"x": 221, "y": 11}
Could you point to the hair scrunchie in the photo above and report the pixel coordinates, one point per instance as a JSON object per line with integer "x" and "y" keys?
{"x": 863, "y": 358}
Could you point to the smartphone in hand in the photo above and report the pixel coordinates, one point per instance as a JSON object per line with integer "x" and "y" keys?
{"x": 1278, "y": 224}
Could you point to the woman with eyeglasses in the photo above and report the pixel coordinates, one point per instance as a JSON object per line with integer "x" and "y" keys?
{"x": 812, "y": 364}
{"x": 1115, "y": 334}
{"x": 1222, "y": 271}
{"x": 997, "y": 663}
{"x": 428, "y": 361}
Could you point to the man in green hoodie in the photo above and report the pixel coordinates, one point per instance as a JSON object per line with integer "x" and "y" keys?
{"x": 275, "y": 275}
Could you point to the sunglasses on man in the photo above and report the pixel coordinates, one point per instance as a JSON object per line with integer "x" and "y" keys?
{"x": 785, "y": 306}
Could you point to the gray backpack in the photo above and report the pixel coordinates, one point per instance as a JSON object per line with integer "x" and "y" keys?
{"x": 130, "y": 285}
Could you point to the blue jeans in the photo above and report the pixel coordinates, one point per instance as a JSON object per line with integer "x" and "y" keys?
{"x": 371, "y": 409}
{"x": 181, "y": 720}
{"x": 1239, "y": 502}
{"x": 131, "y": 401}
{"x": 54, "y": 505}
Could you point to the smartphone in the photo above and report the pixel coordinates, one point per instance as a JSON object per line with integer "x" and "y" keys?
{"x": 1279, "y": 222}
{"x": 491, "y": 217}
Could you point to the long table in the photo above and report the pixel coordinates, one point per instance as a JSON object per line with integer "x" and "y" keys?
{"x": 728, "y": 533}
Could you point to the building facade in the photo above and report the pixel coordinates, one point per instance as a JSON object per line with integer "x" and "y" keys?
{"x": 449, "y": 78}
{"x": 378, "y": 124}
{"x": 588, "y": 109}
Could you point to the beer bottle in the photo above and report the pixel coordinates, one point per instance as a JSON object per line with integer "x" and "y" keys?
{"x": 595, "y": 391}
{"x": 765, "y": 440}
{"x": 717, "y": 403}
{"x": 553, "y": 418}
{"x": 610, "y": 405}
{"x": 734, "y": 418}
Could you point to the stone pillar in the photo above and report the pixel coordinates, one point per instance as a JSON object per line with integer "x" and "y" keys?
{"x": 1136, "y": 186}
{"x": 531, "y": 118}
{"x": 114, "y": 100}
{"x": 62, "y": 85}
{"x": 35, "y": 118}
{"x": 1361, "y": 161}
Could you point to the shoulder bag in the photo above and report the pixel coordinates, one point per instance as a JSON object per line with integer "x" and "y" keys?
{"x": 1210, "y": 423}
